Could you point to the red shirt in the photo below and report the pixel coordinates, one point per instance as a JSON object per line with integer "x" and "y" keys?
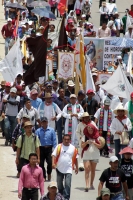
{"x": 131, "y": 13}
{"x": 7, "y": 32}
{"x": 31, "y": 178}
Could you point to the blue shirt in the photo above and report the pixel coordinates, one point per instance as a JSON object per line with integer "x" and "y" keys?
{"x": 36, "y": 103}
{"x": 47, "y": 137}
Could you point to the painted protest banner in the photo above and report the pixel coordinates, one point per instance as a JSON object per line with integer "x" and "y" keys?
{"x": 65, "y": 65}
{"x": 110, "y": 52}
{"x": 95, "y": 50}
{"x": 104, "y": 76}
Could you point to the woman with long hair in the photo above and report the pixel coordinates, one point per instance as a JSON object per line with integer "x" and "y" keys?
{"x": 90, "y": 144}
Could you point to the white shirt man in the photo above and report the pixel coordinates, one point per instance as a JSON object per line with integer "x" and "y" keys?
{"x": 73, "y": 115}
{"x": 99, "y": 93}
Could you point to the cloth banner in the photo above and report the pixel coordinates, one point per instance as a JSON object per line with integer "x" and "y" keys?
{"x": 11, "y": 65}
{"x": 65, "y": 65}
{"x": 105, "y": 50}
{"x": 49, "y": 68}
{"x": 118, "y": 84}
{"x": 112, "y": 7}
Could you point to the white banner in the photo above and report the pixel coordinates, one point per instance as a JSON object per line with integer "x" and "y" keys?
{"x": 11, "y": 65}
{"x": 110, "y": 52}
{"x": 66, "y": 65}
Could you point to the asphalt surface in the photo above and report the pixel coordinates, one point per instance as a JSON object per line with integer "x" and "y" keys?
{"x": 8, "y": 180}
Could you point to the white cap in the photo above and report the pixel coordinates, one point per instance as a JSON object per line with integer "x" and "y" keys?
{"x": 9, "y": 20}
{"x": 83, "y": 15}
{"x": 73, "y": 96}
{"x": 119, "y": 57}
{"x": 14, "y": 90}
{"x": 30, "y": 22}
{"x": 113, "y": 159}
{"x": 130, "y": 26}
{"x": 41, "y": 27}
{"x": 23, "y": 26}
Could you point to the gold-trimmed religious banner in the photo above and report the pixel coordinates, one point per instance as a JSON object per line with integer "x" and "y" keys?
{"x": 104, "y": 76}
{"x": 66, "y": 65}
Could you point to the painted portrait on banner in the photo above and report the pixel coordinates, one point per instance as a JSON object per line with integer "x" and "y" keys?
{"x": 104, "y": 76}
{"x": 95, "y": 50}
{"x": 66, "y": 65}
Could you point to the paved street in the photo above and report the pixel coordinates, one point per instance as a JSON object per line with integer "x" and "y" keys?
{"x": 8, "y": 180}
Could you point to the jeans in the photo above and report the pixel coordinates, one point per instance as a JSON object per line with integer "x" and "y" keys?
{"x": 64, "y": 190}
{"x": 9, "y": 126}
{"x": 118, "y": 197}
{"x": 7, "y": 42}
{"x": 30, "y": 194}
{"x": 60, "y": 127}
{"x": 118, "y": 147}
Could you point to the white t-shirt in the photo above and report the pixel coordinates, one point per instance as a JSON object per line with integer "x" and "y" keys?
{"x": 64, "y": 164}
{"x": 92, "y": 153}
{"x": 11, "y": 110}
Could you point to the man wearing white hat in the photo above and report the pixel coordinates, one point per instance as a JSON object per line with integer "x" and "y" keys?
{"x": 7, "y": 33}
{"x": 121, "y": 123}
{"x": 99, "y": 93}
{"x": 120, "y": 62}
{"x": 115, "y": 180}
{"x": 129, "y": 33}
{"x": 79, "y": 132}
{"x": 70, "y": 88}
{"x": 72, "y": 112}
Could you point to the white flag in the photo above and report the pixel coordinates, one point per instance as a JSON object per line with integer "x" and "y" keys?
{"x": 128, "y": 22}
{"x": 130, "y": 63}
{"x": 118, "y": 84}
{"x": 11, "y": 65}
{"x": 89, "y": 80}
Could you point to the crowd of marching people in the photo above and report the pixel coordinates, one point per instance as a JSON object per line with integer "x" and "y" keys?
{"x": 49, "y": 122}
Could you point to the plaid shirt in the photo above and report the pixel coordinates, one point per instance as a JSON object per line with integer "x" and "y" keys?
{"x": 58, "y": 197}
{"x": 18, "y": 131}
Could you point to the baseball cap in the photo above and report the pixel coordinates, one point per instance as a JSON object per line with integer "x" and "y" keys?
{"x": 14, "y": 90}
{"x": 73, "y": 96}
{"x": 52, "y": 184}
{"x": 90, "y": 91}
{"x": 70, "y": 21}
{"x": 44, "y": 119}
{"x": 83, "y": 16}
{"x": 54, "y": 81}
{"x": 9, "y": 20}
{"x": 98, "y": 83}
{"x": 19, "y": 87}
{"x": 81, "y": 92}
{"x": 107, "y": 102}
{"x": 23, "y": 26}
{"x": 33, "y": 91}
{"x": 105, "y": 191}
{"x": 8, "y": 84}
{"x": 131, "y": 95}
{"x": 26, "y": 116}
{"x": 113, "y": 159}
{"x": 94, "y": 74}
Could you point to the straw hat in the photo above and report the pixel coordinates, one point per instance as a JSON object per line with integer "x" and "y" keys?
{"x": 47, "y": 95}
{"x": 27, "y": 124}
{"x": 70, "y": 83}
{"x": 102, "y": 140}
{"x": 85, "y": 114}
{"x": 120, "y": 107}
